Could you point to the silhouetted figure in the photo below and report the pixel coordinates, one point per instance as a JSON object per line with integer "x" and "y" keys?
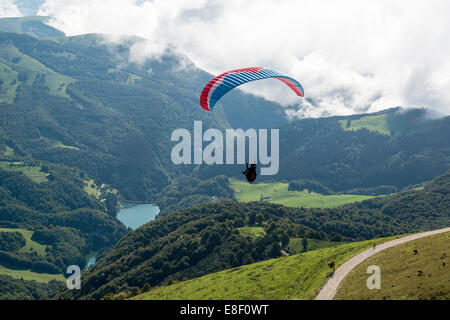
{"x": 374, "y": 245}
{"x": 443, "y": 263}
{"x": 250, "y": 172}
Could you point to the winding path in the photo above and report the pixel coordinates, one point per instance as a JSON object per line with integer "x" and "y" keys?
{"x": 329, "y": 290}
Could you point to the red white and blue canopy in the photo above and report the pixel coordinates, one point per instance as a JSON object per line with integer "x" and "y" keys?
{"x": 229, "y": 80}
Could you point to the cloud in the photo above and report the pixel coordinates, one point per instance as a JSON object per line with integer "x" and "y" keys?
{"x": 9, "y": 9}
{"x": 351, "y": 56}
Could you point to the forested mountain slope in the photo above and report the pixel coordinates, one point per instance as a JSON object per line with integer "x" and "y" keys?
{"x": 63, "y": 219}
{"x": 207, "y": 238}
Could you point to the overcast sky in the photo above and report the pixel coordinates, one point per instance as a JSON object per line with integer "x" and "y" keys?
{"x": 350, "y": 56}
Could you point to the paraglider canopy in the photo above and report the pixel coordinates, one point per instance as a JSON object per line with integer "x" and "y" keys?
{"x": 229, "y": 80}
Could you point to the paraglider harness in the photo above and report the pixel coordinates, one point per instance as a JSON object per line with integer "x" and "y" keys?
{"x": 250, "y": 172}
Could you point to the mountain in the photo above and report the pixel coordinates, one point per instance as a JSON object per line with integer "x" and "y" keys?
{"x": 393, "y": 148}
{"x": 211, "y": 237}
{"x": 78, "y": 101}
{"x": 78, "y": 122}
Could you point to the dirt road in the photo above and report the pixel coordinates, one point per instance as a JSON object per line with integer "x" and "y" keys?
{"x": 329, "y": 290}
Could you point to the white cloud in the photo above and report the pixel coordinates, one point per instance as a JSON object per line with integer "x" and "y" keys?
{"x": 350, "y": 55}
{"x": 8, "y": 9}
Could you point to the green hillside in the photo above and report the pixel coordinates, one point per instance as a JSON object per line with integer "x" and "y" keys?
{"x": 400, "y": 276}
{"x": 21, "y": 289}
{"x": 48, "y": 224}
{"x": 295, "y": 277}
{"x": 296, "y": 245}
{"x": 219, "y": 235}
{"x": 279, "y": 193}
{"x": 34, "y": 172}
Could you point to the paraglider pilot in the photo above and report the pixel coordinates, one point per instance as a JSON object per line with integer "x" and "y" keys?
{"x": 250, "y": 172}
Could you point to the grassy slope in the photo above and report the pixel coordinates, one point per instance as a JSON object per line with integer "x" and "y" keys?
{"x": 295, "y": 277}
{"x": 30, "y": 275}
{"x": 12, "y": 61}
{"x": 34, "y": 173}
{"x": 91, "y": 188}
{"x": 376, "y": 123}
{"x": 399, "y": 272}
{"x": 252, "y": 232}
{"x": 295, "y": 245}
{"x": 29, "y": 246}
{"x": 278, "y": 193}
{"x": 9, "y": 83}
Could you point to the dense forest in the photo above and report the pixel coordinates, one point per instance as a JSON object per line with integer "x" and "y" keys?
{"x": 11, "y": 241}
{"x": 189, "y": 191}
{"x": 13, "y": 289}
{"x": 206, "y": 238}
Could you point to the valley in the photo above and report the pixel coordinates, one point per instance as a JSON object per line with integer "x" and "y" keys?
{"x": 83, "y": 127}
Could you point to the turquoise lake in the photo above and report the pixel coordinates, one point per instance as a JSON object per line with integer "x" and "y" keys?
{"x": 91, "y": 261}
{"x": 135, "y": 215}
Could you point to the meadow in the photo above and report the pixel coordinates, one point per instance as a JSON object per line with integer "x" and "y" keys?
{"x": 30, "y": 246}
{"x": 32, "y": 172}
{"x": 298, "y": 276}
{"x": 30, "y": 275}
{"x": 277, "y": 192}
{"x": 295, "y": 244}
{"x": 377, "y": 123}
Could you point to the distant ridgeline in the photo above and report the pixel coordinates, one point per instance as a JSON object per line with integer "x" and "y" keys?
{"x": 314, "y": 186}
{"x": 210, "y": 237}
